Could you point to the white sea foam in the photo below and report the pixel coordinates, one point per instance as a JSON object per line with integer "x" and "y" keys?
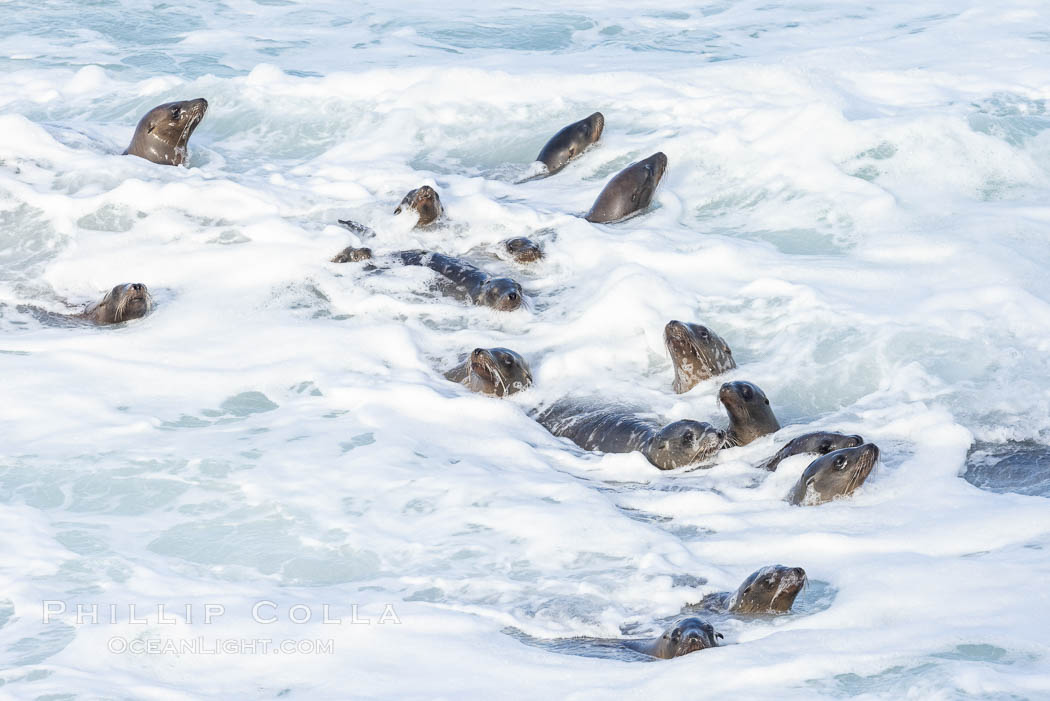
{"x": 856, "y": 201}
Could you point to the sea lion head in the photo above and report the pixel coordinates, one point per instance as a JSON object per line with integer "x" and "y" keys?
{"x": 162, "y": 135}
{"x": 819, "y": 442}
{"x": 571, "y": 142}
{"x": 750, "y": 415}
{"x": 352, "y": 255}
{"x": 523, "y": 250}
{"x": 688, "y": 635}
{"x": 656, "y": 164}
{"x": 130, "y": 300}
{"x": 825, "y": 443}
{"x": 652, "y": 171}
{"x": 595, "y": 124}
{"x": 497, "y": 371}
{"x": 697, "y": 353}
{"x": 425, "y": 202}
{"x": 502, "y": 294}
{"x": 771, "y": 589}
{"x": 684, "y": 442}
{"x": 835, "y": 475}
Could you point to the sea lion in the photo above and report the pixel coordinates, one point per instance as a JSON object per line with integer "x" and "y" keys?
{"x": 835, "y": 475}
{"x": 124, "y": 302}
{"x": 1022, "y": 467}
{"x": 495, "y": 371}
{"x": 352, "y": 255}
{"x": 462, "y": 279}
{"x": 685, "y": 636}
{"x": 162, "y": 135}
{"x": 425, "y": 202}
{"x": 618, "y": 429}
{"x": 819, "y": 442}
{"x": 749, "y": 414}
{"x": 631, "y": 190}
{"x": 500, "y": 293}
{"x": 570, "y": 142}
{"x": 522, "y": 249}
{"x": 771, "y": 589}
{"x": 697, "y": 353}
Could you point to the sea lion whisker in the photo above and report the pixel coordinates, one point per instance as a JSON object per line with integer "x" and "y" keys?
{"x": 122, "y": 306}
{"x": 855, "y": 477}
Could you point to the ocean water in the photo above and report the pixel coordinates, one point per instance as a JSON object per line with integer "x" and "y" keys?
{"x": 856, "y": 200}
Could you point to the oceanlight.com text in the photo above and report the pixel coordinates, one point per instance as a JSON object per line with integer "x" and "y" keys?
{"x": 119, "y": 645}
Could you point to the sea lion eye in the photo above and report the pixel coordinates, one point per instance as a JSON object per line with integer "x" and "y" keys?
{"x": 746, "y": 393}
{"x": 675, "y": 635}
{"x": 704, "y": 334}
{"x": 175, "y": 112}
{"x": 720, "y": 636}
{"x": 747, "y": 589}
{"x": 728, "y": 351}
{"x": 687, "y": 437}
{"x": 824, "y": 448}
{"x": 840, "y": 462}
{"x": 767, "y": 402}
{"x": 506, "y": 361}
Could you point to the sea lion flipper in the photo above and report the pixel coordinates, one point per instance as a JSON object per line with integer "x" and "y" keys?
{"x": 357, "y": 228}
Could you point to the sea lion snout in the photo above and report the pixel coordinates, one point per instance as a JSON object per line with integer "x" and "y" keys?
{"x": 730, "y": 390}
{"x": 502, "y": 294}
{"x": 674, "y": 330}
{"x": 659, "y": 160}
{"x": 598, "y": 120}
{"x": 693, "y": 642}
{"x": 483, "y": 365}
